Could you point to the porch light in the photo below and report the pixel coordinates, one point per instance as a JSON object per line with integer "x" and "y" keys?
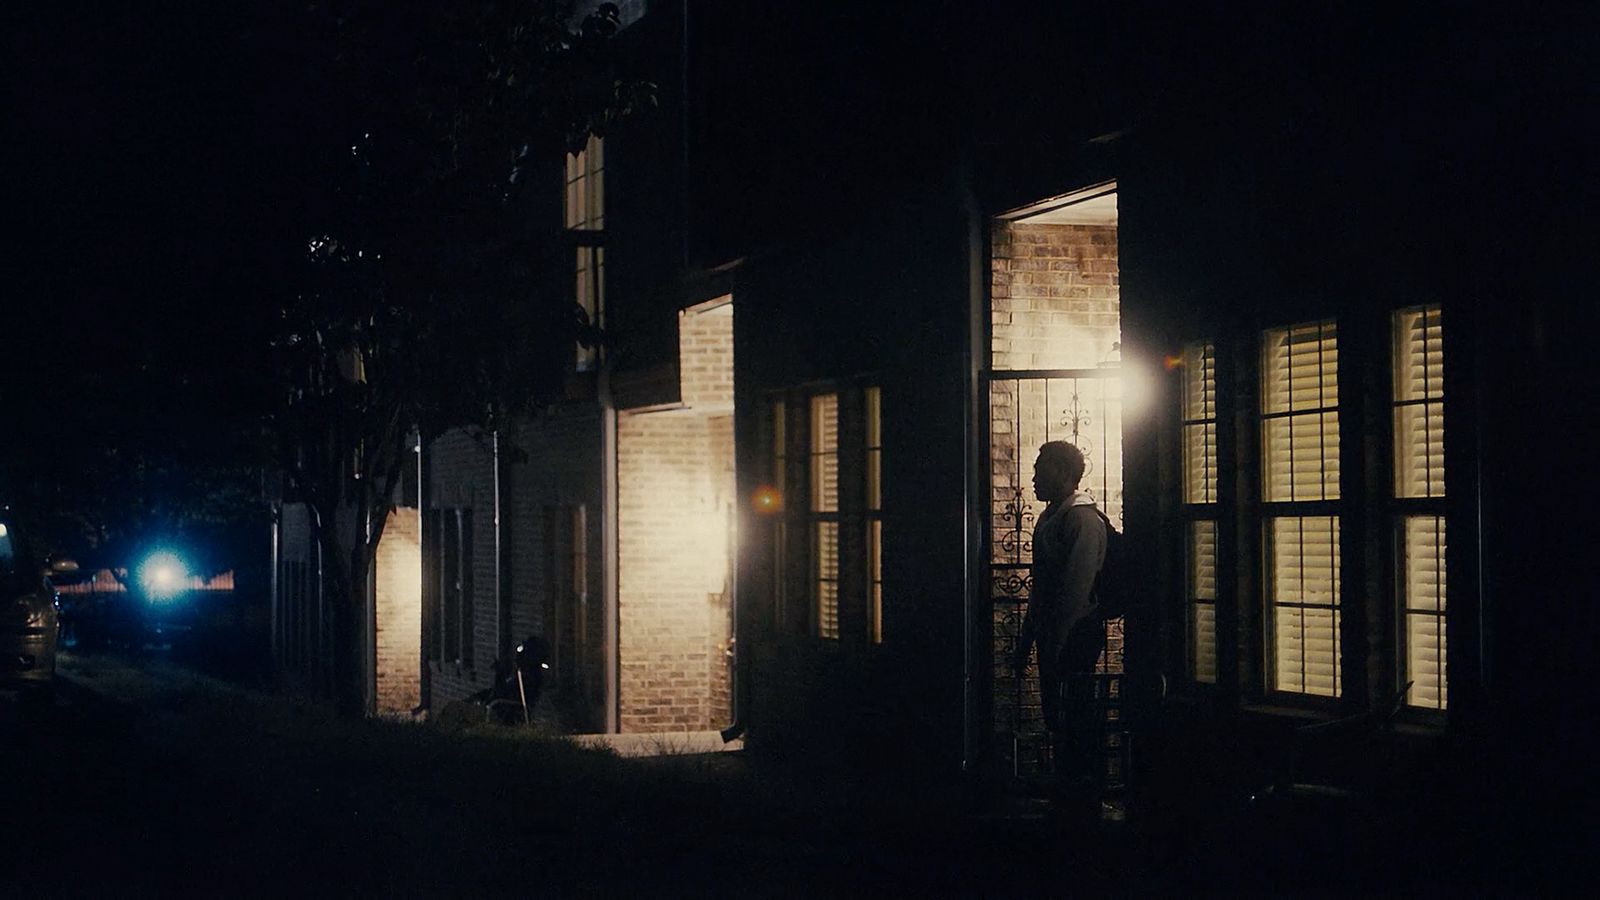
{"x": 766, "y": 500}
{"x": 1134, "y": 381}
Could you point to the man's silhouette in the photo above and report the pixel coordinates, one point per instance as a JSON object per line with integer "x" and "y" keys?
{"x": 1069, "y": 547}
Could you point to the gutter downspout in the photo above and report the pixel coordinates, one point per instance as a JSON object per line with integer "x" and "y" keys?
{"x": 324, "y": 643}
{"x": 735, "y": 658}
{"x": 500, "y": 641}
{"x": 369, "y": 650}
{"x": 274, "y": 556}
{"x": 971, "y": 522}
{"x": 424, "y": 673}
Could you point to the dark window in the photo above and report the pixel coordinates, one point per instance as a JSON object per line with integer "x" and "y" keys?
{"x": 449, "y": 568}
{"x": 567, "y": 600}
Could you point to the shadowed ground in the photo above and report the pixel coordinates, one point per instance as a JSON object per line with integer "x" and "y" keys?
{"x": 150, "y": 779}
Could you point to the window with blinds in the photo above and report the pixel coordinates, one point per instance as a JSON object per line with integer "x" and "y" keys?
{"x": 824, "y": 512}
{"x": 1200, "y": 496}
{"x": 1300, "y": 481}
{"x": 874, "y": 512}
{"x": 585, "y": 187}
{"x": 1419, "y": 491}
{"x": 1202, "y": 589}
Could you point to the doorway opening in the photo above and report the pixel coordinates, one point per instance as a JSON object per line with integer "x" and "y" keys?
{"x": 1052, "y": 373}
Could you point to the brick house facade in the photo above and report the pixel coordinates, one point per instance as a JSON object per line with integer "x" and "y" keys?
{"x": 915, "y": 316}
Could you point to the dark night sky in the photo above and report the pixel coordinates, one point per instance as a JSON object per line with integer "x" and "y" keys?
{"x": 137, "y": 215}
{"x": 156, "y": 155}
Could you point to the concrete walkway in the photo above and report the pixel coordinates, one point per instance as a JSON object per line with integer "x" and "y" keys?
{"x": 665, "y": 743}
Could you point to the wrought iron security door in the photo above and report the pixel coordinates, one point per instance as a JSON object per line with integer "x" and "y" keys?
{"x": 1026, "y": 409}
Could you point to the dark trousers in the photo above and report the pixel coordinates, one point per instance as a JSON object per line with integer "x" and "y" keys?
{"x": 1072, "y": 721}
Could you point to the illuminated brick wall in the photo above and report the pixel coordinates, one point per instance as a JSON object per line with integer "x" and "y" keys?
{"x": 675, "y": 497}
{"x": 1054, "y": 295}
{"x": 398, "y": 581}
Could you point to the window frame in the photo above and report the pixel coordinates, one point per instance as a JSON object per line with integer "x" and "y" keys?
{"x": 1193, "y": 514}
{"x": 452, "y": 606}
{"x": 1269, "y": 511}
{"x": 797, "y": 606}
{"x": 1402, "y": 508}
{"x": 584, "y": 220}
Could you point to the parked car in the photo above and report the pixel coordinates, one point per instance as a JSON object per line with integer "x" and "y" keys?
{"x": 29, "y": 616}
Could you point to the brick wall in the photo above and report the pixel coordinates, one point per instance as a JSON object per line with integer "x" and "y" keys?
{"x": 461, "y": 476}
{"x": 1054, "y": 295}
{"x": 558, "y": 466}
{"x": 675, "y": 498}
{"x": 705, "y": 357}
{"x": 397, "y": 579}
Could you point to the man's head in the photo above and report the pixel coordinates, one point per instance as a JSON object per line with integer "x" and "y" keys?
{"x": 1057, "y": 471}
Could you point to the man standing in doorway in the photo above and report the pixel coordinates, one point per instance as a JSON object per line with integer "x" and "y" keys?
{"x": 1069, "y": 547}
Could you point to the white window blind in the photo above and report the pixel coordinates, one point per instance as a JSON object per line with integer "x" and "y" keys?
{"x": 1200, "y": 493}
{"x": 1423, "y": 585}
{"x": 1419, "y": 486}
{"x": 1199, "y": 424}
{"x": 1419, "y": 403}
{"x": 1300, "y": 465}
{"x": 824, "y": 508}
{"x": 1300, "y": 400}
{"x": 585, "y": 189}
{"x": 1203, "y": 599}
{"x": 1304, "y": 554}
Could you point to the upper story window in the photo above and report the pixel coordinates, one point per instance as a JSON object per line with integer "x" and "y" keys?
{"x": 1300, "y": 522}
{"x": 585, "y": 212}
{"x": 585, "y": 192}
{"x": 1419, "y": 491}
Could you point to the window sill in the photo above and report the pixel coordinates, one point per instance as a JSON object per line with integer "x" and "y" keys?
{"x": 1280, "y": 712}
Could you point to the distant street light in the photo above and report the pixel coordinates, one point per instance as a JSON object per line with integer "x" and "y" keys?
{"x": 162, "y": 575}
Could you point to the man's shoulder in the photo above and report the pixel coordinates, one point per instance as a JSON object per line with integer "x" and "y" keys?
{"x": 1083, "y": 517}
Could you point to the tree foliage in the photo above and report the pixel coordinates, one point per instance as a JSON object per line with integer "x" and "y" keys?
{"x": 432, "y": 289}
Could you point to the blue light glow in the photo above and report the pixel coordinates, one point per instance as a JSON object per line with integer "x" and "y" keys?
{"x": 163, "y": 575}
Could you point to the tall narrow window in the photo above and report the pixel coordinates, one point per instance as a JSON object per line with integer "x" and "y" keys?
{"x": 1200, "y": 499}
{"x": 1300, "y": 482}
{"x": 567, "y": 594}
{"x": 1419, "y": 489}
{"x": 585, "y": 212}
{"x": 452, "y": 569}
{"x": 824, "y": 513}
{"x": 874, "y": 513}
{"x": 585, "y": 193}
